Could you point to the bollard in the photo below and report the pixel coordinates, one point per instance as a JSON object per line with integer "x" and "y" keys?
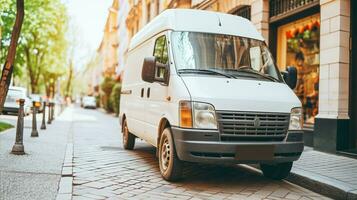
{"x": 53, "y": 112}
{"x": 43, "y": 125}
{"x": 34, "y": 132}
{"x": 49, "y": 113}
{"x": 18, "y": 148}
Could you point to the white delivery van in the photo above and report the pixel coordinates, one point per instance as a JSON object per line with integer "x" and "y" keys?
{"x": 203, "y": 87}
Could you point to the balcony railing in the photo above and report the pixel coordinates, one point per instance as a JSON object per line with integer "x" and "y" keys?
{"x": 279, "y": 7}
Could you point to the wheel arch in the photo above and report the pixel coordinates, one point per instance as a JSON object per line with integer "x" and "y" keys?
{"x": 164, "y": 123}
{"x": 121, "y": 120}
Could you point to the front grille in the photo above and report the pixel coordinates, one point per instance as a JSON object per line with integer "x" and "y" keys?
{"x": 249, "y": 126}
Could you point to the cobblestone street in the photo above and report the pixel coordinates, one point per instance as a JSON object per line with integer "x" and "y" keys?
{"x": 104, "y": 170}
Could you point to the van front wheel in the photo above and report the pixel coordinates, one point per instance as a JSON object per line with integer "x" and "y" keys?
{"x": 128, "y": 138}
{"x": 277, "y": 171}
{"x": 170, "y": 165}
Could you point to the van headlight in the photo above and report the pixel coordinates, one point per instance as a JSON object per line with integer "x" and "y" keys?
{"x": 295, "y": 119}
{"x": 197, "y": 115}
{"x": 204, "y": 116}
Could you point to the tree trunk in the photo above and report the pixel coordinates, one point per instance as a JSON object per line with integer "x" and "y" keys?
{"x": 9, "y": 63}
{"x": 68, "y": 86}
{"x": 34, "y": 87}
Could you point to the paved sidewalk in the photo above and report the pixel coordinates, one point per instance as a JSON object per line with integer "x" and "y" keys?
{"x": 332, "y": 175}
{"x": 35, "y": 175}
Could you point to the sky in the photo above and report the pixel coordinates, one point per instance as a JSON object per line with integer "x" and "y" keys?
{"x": 87, "y": 20}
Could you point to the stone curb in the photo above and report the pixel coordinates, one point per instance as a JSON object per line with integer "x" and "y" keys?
{"x": 65, "y": 187}
{"x": 323, "y": 185}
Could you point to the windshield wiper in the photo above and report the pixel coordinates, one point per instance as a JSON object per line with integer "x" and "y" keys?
{"x": 251, "y": 71}
{"x": 204, "y": 71}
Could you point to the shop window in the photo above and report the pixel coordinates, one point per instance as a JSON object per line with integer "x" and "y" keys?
{"x": 298, "y": 45}
{"x": 243, "y": 12}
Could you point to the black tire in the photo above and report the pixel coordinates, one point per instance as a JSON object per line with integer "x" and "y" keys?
{"x": 170, "y": 165}
{"x": 277, "y": 171}
{"x": 128, "y": 138}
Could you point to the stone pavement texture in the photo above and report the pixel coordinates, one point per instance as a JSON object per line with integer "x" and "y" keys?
{"x": 36, "y": 174}
{"x": 102, "y": 169}
{"x": 332, "y": 175}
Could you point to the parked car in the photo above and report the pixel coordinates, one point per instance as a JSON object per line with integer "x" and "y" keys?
{"x": 37, "y": 98}
{"x": 89, "y": 102}
{"x": 209, "y": 91}
{"x": 12, "y": 104}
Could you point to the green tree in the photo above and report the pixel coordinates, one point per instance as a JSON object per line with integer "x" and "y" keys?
{"x": 115, "y": 98}
{"x": 107, "y": 87}
{"x": 7, "y": 19}
{"x": 42, "y": 45}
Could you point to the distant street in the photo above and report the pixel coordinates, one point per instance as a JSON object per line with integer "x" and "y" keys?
{"x": 103, "y": 169}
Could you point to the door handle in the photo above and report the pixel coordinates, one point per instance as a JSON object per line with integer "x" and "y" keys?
{"x": 148, "y": 93}
{"x": 142, "y": 92}
{"x": 125, "y": 92}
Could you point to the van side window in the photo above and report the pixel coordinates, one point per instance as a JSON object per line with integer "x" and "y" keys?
{"x": 161, "y": 55}
{"x": 160, "y": 50}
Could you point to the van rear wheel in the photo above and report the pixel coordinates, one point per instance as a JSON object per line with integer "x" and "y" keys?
{"x": 277, "y": 171}
{"x": 128, "y": 138}
{"x": 170, "y": 165}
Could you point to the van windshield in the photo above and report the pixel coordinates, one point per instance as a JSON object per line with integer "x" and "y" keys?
{"x": 225, "y": 55}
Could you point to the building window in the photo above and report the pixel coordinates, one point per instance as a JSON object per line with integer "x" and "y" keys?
{"x": 157, "y": 7}
{"x": 243, "y": 12}
{"x": 148, "y": 12}
{"x": 137, "y": 26}
{"x": 279, "y": 7}
{"x": 299, "y": 46}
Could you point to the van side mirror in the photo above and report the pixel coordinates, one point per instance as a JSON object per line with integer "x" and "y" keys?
{"x": 148, "y": 71}
{"x": 154, "y": 71}
{"x": 290, "y": 77}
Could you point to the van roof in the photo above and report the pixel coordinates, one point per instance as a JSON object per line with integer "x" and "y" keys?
{"x": 196, "y": 21}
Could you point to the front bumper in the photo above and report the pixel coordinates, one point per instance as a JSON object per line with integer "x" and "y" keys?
{"x": 204, "y": 146}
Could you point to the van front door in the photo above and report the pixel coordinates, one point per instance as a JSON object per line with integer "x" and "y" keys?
{"x": 157, "y": 92}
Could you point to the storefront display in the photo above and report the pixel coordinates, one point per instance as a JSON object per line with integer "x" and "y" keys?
{"x": 298, "y": 45}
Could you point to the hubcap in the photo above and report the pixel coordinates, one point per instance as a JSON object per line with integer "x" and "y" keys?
{"x": 165, "y": 154}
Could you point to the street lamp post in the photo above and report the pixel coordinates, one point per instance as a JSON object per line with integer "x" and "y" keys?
{"x": 34, "y": 132}
{"x": 18, "y": 148}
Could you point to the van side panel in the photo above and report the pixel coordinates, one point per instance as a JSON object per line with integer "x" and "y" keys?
{"x": 132, "y": 104}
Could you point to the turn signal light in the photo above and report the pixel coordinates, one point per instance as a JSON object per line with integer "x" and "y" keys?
{"x": 185, "y": 114}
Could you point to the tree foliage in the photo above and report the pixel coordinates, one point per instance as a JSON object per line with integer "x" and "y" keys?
{"x": 42, "y": 46}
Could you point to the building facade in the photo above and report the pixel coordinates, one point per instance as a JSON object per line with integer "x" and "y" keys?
{"x": 108, "y": 48}
{"x": 123, "y": 34}
{"x": 315, "y": 36}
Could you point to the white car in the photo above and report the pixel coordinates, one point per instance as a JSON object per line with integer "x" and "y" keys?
{"x": 12, "y": 103}
{"x": 202, "y": 86}
{"x": 89, "y": 102}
